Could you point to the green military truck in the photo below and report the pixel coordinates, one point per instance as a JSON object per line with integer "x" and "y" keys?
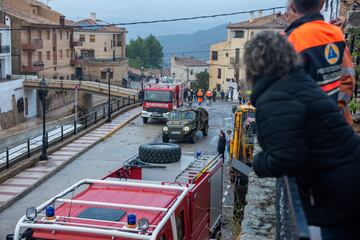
{"x": 184, "y": 123}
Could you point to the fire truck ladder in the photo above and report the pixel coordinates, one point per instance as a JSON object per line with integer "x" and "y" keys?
{"x": 196, "y": 169}
{"x": 114, "y": 232}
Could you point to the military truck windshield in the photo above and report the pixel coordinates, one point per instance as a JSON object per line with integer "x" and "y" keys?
{"x": 174, "y": 115}
{"x": 188, "y": 115}
{"x": 158, "y": 96}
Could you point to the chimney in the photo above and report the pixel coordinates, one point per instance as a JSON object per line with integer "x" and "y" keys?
{"x": 62, "y": 21}
{"x": 251, "y": 17}
{"x": 93, "y": 16}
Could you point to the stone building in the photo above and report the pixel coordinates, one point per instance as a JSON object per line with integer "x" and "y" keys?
{"x": 41, "y": 42}
{"x": 347, "y": 5}
{"x": 186, "y": 68}
{"x": 226, "y": 58}
{"x": 97, "y": 48}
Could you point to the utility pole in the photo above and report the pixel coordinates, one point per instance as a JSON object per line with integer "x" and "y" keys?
{"x": 142, "y": 84}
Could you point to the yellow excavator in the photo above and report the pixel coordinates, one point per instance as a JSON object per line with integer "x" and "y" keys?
{"x": 242, "y": 144}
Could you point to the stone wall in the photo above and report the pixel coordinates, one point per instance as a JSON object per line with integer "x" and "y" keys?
{"x": 57, "y": 99}
{"x": 259, "y": 214}
{"x": 7, "y": 120}
{"x": 346, "y": 5}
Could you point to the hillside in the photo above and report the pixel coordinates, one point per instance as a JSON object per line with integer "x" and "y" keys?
{"x": 196, "y": 44}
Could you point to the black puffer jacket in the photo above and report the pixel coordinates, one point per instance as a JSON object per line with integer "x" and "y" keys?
{"x": 303, "y": 135}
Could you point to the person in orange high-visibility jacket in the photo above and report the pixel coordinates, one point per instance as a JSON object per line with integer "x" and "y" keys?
{"x": 323, "y": 48}
{"x": 209, "y": 96}
{"x": 200, "y": 97}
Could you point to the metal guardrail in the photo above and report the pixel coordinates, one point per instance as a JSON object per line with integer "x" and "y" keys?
{"x": 291, "y": 221}
{"x": 26, "y": 148}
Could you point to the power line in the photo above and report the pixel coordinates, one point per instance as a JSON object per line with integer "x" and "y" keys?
{"x": 148, "y": 22}
{"x": 188, "y": 18}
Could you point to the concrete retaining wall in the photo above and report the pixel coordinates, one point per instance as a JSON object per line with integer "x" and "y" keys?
{"x": 10, "y": 93}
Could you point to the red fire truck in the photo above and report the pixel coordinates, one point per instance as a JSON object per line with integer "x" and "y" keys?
{"x": 160, "y": 99}
{"x": 180, "y": 201}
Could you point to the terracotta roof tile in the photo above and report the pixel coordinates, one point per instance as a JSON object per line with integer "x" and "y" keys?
{"x": 97, "y": 26}
{"x": 28, "y": 17}
{"x": 271, "y": 21}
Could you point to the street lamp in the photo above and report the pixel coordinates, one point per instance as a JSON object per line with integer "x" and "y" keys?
{"x": 142, "y": 83}
{"x": 109, "y": 103}
{"x": 43, "y": 94}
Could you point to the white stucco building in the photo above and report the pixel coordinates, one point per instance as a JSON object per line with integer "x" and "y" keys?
{"x": 5, "y": 49}
{"x": 227, "y": 69}
{"x": 186, "y": 68}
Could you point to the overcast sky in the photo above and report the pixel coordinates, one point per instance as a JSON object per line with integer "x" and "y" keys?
{"x": 115, "y": 11}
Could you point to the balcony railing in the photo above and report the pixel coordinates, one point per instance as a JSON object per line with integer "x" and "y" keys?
{"x": 33, "y": 45}
{"x": 291, "y": 221}
{"x": 76, "y": 62}
{"x": 76, "y": 43}
{"x": 4, "y": 49}
{"x": 35, "y": 68}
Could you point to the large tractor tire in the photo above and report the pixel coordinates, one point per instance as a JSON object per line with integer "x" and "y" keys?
{"x": 160, "y": 153}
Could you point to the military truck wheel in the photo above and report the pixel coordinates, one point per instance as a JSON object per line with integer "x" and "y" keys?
{"x": 145, "y": 120}
{"x": 193, "y": 138}
{"x": 205, "y": 130}
{"x": 165, "y": 138}
{"x": 160, "y": 153}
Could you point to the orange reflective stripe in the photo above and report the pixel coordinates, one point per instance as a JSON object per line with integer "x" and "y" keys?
{"x": 331, "y": 86}
{"x": 314, "y": 34}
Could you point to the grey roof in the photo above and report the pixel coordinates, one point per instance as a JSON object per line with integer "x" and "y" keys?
{"x": 190, "y": 62}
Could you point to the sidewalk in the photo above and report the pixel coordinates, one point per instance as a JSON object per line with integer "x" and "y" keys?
{"x": 19, "y": 185}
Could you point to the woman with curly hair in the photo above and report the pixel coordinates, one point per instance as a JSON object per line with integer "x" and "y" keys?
{"x": 304, "y": 135}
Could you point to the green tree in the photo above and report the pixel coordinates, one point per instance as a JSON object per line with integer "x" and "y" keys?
{"x": 202, "y": 80}
{"x": 155, "y": 52}
{"x": 138, "y": 53}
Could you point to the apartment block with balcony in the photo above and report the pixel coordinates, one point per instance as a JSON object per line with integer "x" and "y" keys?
{"x": 226, "y": 58}
{"x": 98, "y": 47}
{"x": 5, "y": 50}
{"x": 42, "y": 44}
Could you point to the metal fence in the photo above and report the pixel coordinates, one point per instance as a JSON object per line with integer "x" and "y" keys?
{"x": 25, "y": 149}
{"x": 291, "y": 221}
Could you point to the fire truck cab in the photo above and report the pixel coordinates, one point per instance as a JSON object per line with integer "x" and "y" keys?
{"x": 178, "y": 201}
{"x": 160, "y": 99}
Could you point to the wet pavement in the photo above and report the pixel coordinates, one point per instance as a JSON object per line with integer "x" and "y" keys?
{"x": 110, "y": 154}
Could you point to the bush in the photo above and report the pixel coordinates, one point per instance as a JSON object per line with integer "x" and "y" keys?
{"x": 354, "y": 106}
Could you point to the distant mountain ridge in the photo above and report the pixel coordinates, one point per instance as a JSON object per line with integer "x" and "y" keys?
{"x": 196, "y": 44}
